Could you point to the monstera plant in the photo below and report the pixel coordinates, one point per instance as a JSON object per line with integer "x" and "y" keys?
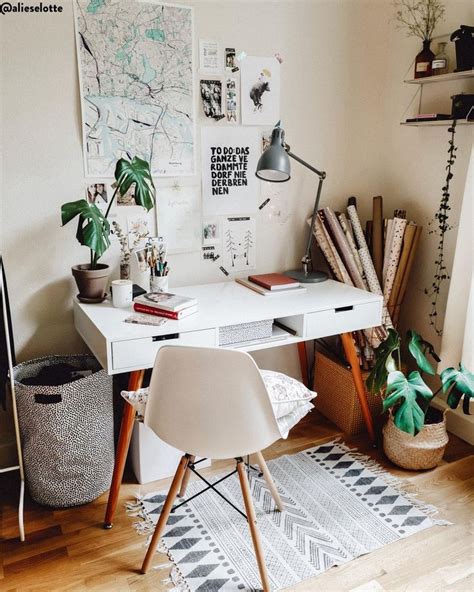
{"x": 93, "y": 228}
{"x": 408, "y": 398}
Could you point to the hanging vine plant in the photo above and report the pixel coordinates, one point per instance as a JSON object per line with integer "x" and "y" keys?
{"x": 441, "y": 221}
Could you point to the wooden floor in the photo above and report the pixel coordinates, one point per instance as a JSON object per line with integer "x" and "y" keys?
{"x": 69, "y": 550}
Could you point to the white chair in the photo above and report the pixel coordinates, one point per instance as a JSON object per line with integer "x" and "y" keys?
{"x": 211, "y": 402}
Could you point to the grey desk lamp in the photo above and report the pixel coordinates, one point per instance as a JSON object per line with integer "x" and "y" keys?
{"x": 274, "y": 166}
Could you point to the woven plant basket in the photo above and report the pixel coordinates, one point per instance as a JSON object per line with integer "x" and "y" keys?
{"x": 337, "y": 397}
{"x": 423, "y": 451}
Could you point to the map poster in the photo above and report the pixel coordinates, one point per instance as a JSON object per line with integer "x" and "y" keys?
{"x": 135, "y": 63}
{"x": 260, "y": 91}
{"x": 229, "y": 159}
{"x": 239, "y": 239}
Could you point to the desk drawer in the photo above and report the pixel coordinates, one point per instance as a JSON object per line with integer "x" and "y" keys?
{"x": 343, "y": 320}
{"x": 141, "y": 353}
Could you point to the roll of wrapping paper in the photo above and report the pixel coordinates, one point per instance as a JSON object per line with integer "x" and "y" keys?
{"x": 347, "y": 230}
{"x": 368, "y": 234}
{"x": 398, "y": 231}
{"x": 330, "y": 252}
{"x": 366, "y": 260}
{"x": 377, "y": 236}
{"x": 408, "y": 238}
{"x": 387, "y": 248}
{"x": 406, "y": 275}
{"x": 331, "y": 222}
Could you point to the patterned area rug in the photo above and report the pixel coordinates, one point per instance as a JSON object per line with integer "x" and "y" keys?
{"x": 338, "y": 503}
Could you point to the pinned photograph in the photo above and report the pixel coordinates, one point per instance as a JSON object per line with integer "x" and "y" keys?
{"x": 210, "y": 231}
{"x": 142, "y": 259}
{"x": 209, "y": 253}
{"x": 211, "y": 97}
{"x": 98, "y": 194}
{"x": 231, "y": 99}
{"x": 128, "y": 199}
{"x": 230, "y": 59}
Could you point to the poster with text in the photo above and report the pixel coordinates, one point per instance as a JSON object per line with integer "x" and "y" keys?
{"x": 260, "y": 91}
{"x": 229, "y": 159}
{"x": 239, "y": 240}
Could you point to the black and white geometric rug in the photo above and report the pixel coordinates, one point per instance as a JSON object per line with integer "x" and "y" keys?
{"x": 338, "y": 503}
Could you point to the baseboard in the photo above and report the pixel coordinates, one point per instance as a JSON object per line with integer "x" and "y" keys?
{"x": 458, "y": 423}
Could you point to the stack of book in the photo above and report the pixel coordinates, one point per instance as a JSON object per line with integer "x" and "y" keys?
{"x": 164, "y": 304}
{"x": 269, "y": 284}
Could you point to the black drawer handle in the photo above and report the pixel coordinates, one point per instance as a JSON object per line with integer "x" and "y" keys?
{"x": 165, "y": 337}
{"x": 343, "y": 308}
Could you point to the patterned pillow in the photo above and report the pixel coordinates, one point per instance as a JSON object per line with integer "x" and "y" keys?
{"x": 289, "y": 398}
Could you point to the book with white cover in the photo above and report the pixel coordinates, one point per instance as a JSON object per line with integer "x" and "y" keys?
{"x": 165, "y": 301}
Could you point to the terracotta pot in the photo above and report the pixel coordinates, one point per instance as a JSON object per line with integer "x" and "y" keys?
{"x": 91, "y": 283}
{"x": 423, "y": 451}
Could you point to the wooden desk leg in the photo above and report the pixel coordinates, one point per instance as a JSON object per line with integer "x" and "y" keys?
{"x": 351, "y": 356}
{"x": 135, "y": 382}
{"x": 303, "y": 362}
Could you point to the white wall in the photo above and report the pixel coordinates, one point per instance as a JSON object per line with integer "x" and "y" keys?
{"x": 342, "y": 99}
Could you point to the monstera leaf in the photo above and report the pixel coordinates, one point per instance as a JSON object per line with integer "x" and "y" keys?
{"x": 460, "y": 385}
{"x": 92, "y": 230}
{"x": 384, "y": 362}
{"x": 409, "y": 416}
{"x": 418, "y": 348}
{"x": 136, "y": 171}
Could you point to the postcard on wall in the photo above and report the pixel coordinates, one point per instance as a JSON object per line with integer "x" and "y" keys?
{"x": 231, "y": 99}
{"x": 229, "y": 159}
{"x": 230, "y": 64}
{"x": 211, "y": 231}
{"x": 239, "y": 238}
{"x": 209, "y": 57}
{"x": 211, "y": 98}
{"x": 179, "y": 218}
{"x": 260, "y": 91}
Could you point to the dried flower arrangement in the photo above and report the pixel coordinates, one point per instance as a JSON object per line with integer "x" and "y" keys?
{"x": 418, "y": 18}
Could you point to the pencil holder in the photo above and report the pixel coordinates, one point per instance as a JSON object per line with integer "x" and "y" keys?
{"x": 159, "y": 283}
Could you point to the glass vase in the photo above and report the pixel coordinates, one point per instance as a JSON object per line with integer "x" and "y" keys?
{"x": 423, "y": 60}
{"x": 440, "y": 64}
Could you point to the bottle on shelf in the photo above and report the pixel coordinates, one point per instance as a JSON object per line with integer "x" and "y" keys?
{"x": 440, "y": 64}
{"x": 423, "y": 60}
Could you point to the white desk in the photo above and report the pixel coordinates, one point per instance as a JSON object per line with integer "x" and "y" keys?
{"x": 328, "y": 308}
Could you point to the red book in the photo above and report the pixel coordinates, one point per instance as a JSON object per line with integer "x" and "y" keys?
{"x": 274, "y": 281}
{"x": 158, "y": 312}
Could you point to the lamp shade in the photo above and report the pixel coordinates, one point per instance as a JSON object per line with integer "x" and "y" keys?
{"x": 274, "y": 164}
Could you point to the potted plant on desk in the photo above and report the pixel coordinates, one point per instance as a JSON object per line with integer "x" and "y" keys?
{"x": 93, "y": 229}
{"x": 415, "y": 435}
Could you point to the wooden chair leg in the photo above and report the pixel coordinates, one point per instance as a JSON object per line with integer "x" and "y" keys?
{"x": 187, "y": 474}
{"x": 165, "y": 512}
{"x": 252, "y": 520}
{"x": 303, "y": 363}
{"x": 268, "y": 478}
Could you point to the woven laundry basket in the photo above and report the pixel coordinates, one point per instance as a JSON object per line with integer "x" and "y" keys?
{"x": 423, "y": 451}
{"x": 337, "y": 397}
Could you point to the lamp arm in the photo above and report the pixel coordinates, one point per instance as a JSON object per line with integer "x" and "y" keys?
{"x": 321, "y": 174}
{"x": 306, "y": 260}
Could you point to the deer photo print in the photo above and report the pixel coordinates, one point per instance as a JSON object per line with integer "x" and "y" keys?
{"x": 260, "y": 91}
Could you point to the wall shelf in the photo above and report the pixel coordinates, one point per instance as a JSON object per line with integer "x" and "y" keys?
{"x": 442, "y": 77}
{"x": 445, "y": 122}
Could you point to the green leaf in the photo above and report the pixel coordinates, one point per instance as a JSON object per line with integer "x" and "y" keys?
{"x": 384, "y": 362}
{"x": 136, "y": 172}
{"x": 459, "y": 384}
{"x": 92, "y": 230}
{"x": 409, "y": 416}
{"x": 418, "y": 346}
